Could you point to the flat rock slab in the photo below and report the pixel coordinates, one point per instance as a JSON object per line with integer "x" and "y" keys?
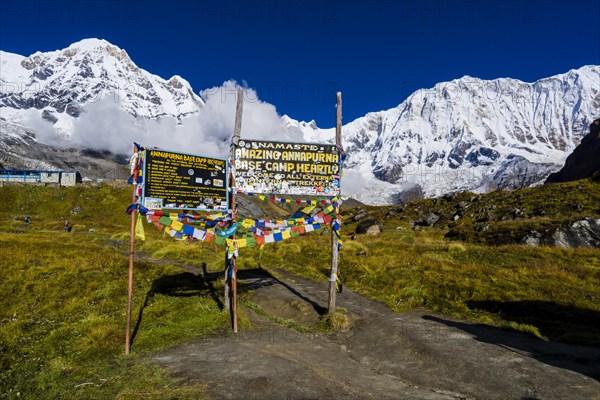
{"x": 384, "y": 355}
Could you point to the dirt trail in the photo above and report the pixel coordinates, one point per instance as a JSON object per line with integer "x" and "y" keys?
{"x": 384, "y": 355}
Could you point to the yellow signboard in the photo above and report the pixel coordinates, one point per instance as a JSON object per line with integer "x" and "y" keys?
{"x": 184, "y": 181}
{"x": 287, "y": 168}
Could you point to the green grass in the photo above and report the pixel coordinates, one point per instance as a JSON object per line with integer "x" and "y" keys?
{"x": 62, "y": 309}
{"x": 549, "y": 292}
{"x": 62, "y": 319}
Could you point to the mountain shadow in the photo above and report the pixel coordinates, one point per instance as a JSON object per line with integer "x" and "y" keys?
{"x": 584, "y": 161}
{"x": 558, "y": 323}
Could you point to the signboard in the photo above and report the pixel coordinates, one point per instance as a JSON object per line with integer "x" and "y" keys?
{"x": 287, "y": 168}
{"x": 184, "y": 181}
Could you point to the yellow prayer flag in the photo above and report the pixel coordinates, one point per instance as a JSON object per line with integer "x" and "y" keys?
{"x": 308, "y": 209}
{"x": 139, "y": 228}
{"x": 286, "y": 234}
{"x": 177, "y": 226}
{"x": 241, "y": 243}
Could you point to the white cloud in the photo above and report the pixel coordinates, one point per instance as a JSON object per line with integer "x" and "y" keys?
{"x": 353, "y": 182}
{"x": 105, "y": 126}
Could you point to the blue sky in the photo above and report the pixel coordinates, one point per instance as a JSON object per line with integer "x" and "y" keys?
{"x": 297, "y": 54}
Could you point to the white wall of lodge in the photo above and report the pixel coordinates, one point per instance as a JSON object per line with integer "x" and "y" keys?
{"x": 50, "y": 177}
{"x": 62, "y": 178}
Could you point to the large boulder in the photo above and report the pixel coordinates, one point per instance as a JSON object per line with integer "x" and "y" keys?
{"x": 582, "y": 233}
{"x": 430, "y": 219}
{"x": 360, "y": 215}
{"x": 369, "y": 227}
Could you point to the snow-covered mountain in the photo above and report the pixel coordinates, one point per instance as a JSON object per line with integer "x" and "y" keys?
{"x": 59, "y": 84}
{"x": 467, "y": 134}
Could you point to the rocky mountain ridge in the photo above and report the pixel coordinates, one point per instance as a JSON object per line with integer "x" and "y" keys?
{"x": 584, "y": 162}
{"x": 466, "y": 134}
{"x": 60, "y": 84}
{"x": 470, "y": 134}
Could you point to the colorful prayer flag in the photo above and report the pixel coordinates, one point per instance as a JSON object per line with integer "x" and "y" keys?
{"x": 139, "y": 228}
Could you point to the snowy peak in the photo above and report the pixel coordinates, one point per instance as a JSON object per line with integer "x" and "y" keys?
{"x": 470, "y": 134}
{"x": 465, "y": 134}
{"x": 65, "y": 81}
{"x": 292, "y": 123}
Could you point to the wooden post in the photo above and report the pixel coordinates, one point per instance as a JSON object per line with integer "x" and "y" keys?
{"x": 334, "y": 241}
{"x": 234, "y": 142}
{"x": 131, "y": 250}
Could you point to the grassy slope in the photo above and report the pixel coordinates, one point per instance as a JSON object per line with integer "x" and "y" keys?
{"x": 62, "y": 309}
{"x": 64, "y": 295}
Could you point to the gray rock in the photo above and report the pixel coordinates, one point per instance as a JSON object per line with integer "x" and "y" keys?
{"x": 488, "y": 216}
{"x": 561, "y": 240}
{"x": 430, "y": 219}
{"x": 534, "y": 238}
{"x": 369, "y": 227}
{"x": 76, "y": 210}
{"x": 463, "y": 205}
{"x": 582, "y": 233}
{"x": 360, "y": 215}
{"x": 48, "y": 116}
{"x": 482, "y": 227}
{"x": 450, "y": 196}
{"x": 395, "y": 212}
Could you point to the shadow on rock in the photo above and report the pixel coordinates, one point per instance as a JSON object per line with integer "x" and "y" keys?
{"x": 256, "y": 278}
{"x": 577, "y": 358}
{"x": 558, "y": 323}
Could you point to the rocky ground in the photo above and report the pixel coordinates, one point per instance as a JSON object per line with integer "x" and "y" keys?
{"x": 382, "y": 354}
